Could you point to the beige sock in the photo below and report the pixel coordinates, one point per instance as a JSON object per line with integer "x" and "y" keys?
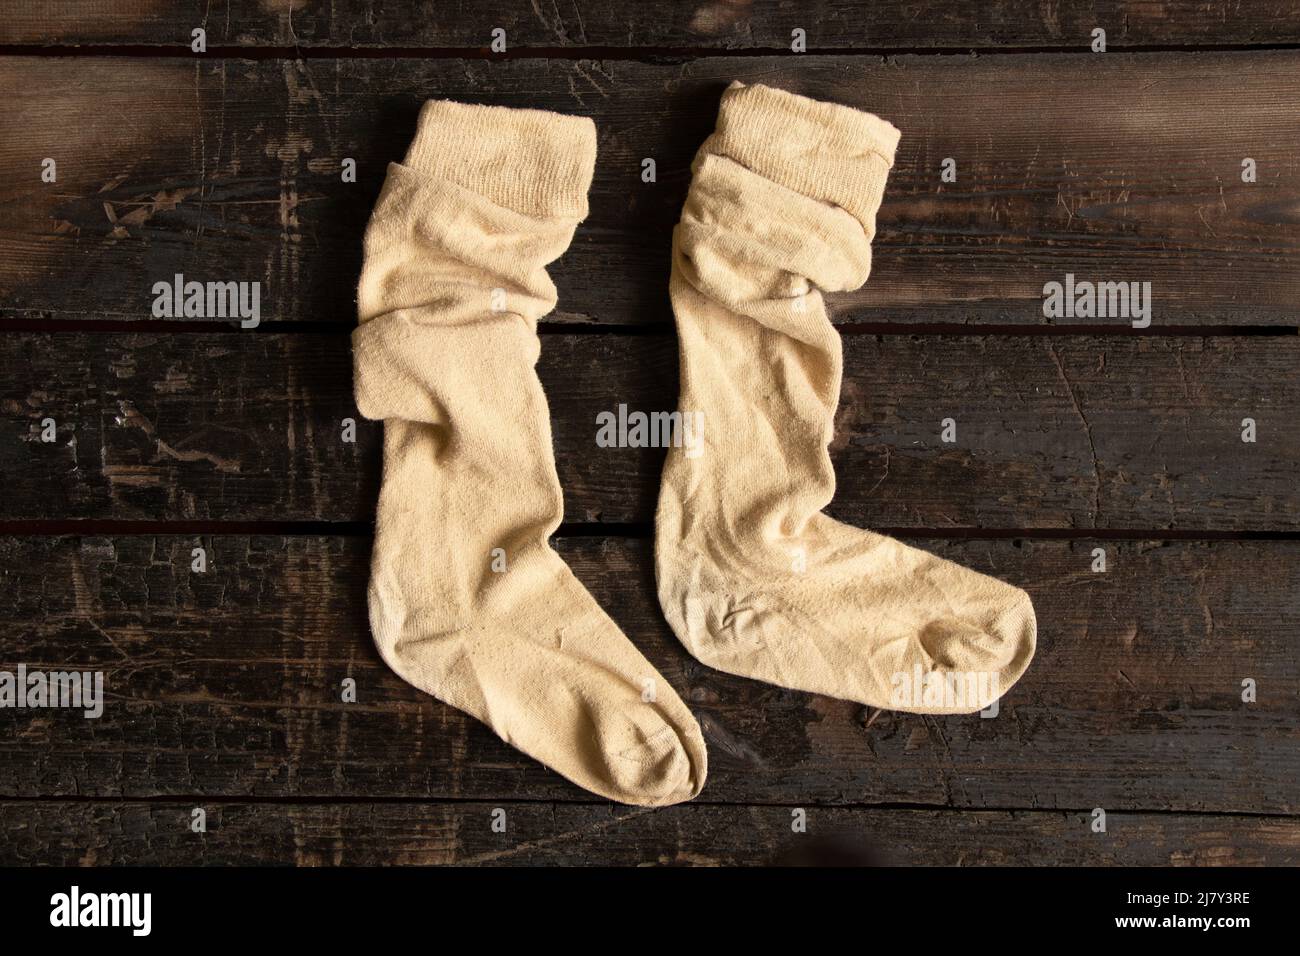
{"x": 467, "y": 599}
{"x": 753, "y": 578}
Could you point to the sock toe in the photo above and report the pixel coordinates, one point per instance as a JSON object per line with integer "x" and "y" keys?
{"x": 664, "y": 766}
{"x": 954, "y": 644}
{"x": 999, "y": 646}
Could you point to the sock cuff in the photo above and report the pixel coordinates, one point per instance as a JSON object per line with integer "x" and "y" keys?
{"x": 825, "y": 151}
{"x": 535, "y": 162}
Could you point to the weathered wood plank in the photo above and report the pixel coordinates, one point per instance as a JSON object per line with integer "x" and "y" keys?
{"x": 1117, "y": 167}
{"x": 227, "y": 684}
{"x": 126, "y": 834}
{"x": 710, "y": 24}
{"x": 1052, "y": 431}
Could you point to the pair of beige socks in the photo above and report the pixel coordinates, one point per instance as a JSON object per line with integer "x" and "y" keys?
{"x": 469, "y": 602}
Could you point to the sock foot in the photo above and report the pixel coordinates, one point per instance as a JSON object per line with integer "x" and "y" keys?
{"x": 753, "y": 578}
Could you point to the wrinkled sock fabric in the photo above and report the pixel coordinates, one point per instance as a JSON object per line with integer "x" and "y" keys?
{"x": 468, "y": 601}
{"x": 753, "y": 578}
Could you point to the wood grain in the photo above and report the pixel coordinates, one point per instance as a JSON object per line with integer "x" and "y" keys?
{"x": 1122, "y": 167}
{"x": 704, "y": 24}
{"x": 227, "y": 684}
{"x": 1052, "y": 431}
{"x": 415, "y": 834}
{"x": 224, "y": 686}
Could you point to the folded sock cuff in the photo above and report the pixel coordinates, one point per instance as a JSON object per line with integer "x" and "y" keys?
{"x": 826, "y": 151}
{"x": 532, "y": 161}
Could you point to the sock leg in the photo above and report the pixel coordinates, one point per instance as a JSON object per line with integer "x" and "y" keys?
{"x": 468, "y": 601}
{"x": 754, "y": 579}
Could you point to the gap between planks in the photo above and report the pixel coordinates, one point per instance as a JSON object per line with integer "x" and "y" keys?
{"x": 644, "y": 54}
{"x": 210, "y": 800}
{"x": 96, "y": 527}
{"x": 564, "y": 327}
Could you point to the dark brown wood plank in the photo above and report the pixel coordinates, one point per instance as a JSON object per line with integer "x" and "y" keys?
{"x": 1116, "y": 167}
{"x": 375, "y": 834}
{"x": 227, "y": 684}
{"x": 707, "y": 24}
{"x": 1052, "y": 431}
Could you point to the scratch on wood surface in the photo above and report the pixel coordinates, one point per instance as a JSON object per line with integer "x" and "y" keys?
{"x": 86, "y": 609}
{"x": 1208, "y": 613}
{"x": 554, "y": 24}
{"x": 1087, "y": 430}
{"x": 720, "y": 16}
{"x": 132, "y": 417}
{"x": 947, "y": 774}
{"x": 718, "y": 736}
{"x": 599, "y": 827}
{"x": 162, "y": 201}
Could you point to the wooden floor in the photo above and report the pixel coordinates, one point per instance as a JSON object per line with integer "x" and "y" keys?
{"x": 224, "y": 687}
